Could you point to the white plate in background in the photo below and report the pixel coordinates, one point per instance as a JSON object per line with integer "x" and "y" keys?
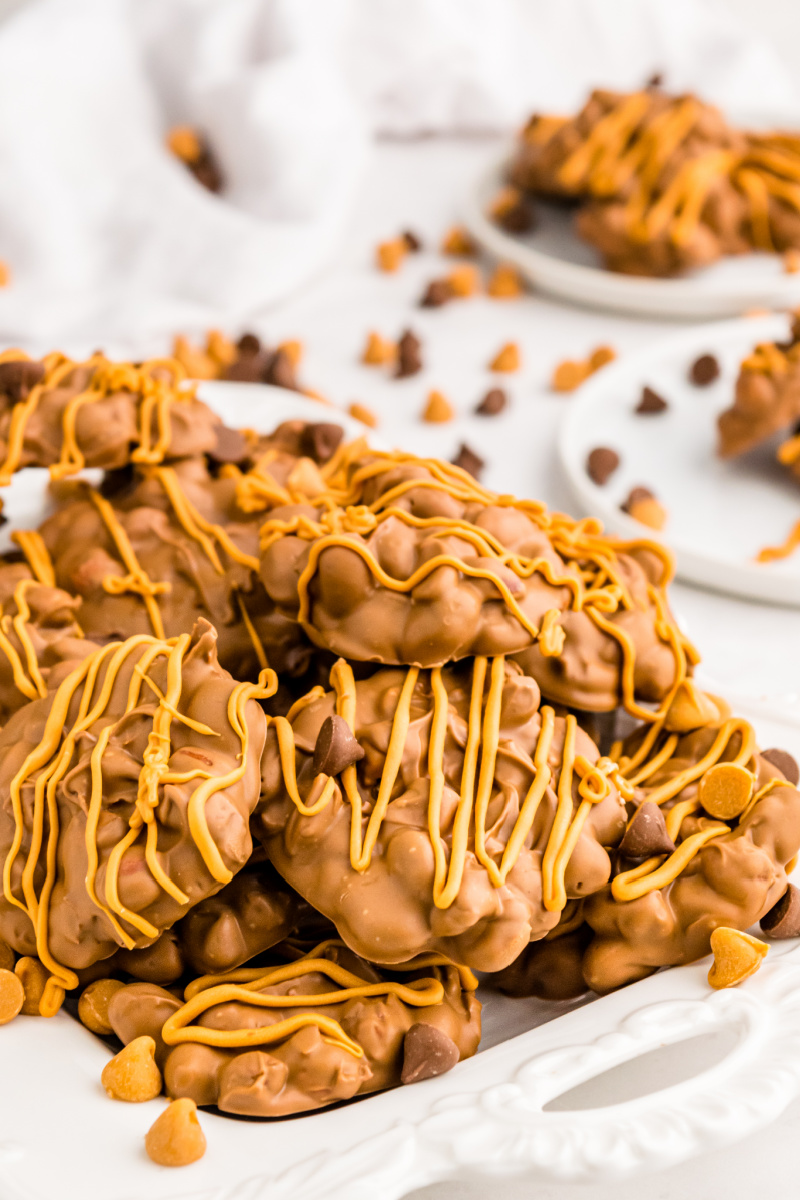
{"x": 721, "y": 513}
{"x": 557, "y": 261}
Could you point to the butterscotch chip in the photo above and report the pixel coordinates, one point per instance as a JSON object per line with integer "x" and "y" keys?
{"x": 427, "y": 1052}
{"x": 437, "y": 409}
{"x": 505, "y": 283}
{"x": 6, "y": 956}
{"x": 725, "y": 790}
{"x": 646, "y": 834}
{"x": 437, "y": 293}
{"x": 459, "y": 241}
{"x": 176, "y": 1138}
{"x": 378, "y": 350}
{"x": 12, "y": 996}
{"x": 504, "y": 201}
{"x": 601, "y": 357}
{"x": 786, "y": 764}
{"x": 313, "y": 394}
{"x": 469, "y": 461}
{"x": 737, "y": 955}
{"x": 691, "y": 708}
{"x": 335, "y": 748}
{"x": 221, "y": 348}
{"x": 601, "y": 464}
{"x": 33, "y": 975}
{"x": 5, "y": 274}
{"x": 412, "y": 240}
{"x": 642, "y": 505}
{"x": 463, "y": 281}
{"x": 507, "y": 358}
{"x": 492, "y": 403}
{"x": 389, "y": 255}
{"x": 783, "y": 919}
{"x": 650, "y": 403}
{"x": 704, "y": 370}
{"x": 185, "y": 143}
{"x": 132, "y": 1075}
{"x": 293, "y": 349}
{"x": 363, "y": 414}
{"x": 569, "y": 375}
{"x": 198, "y": 364}
{"x": 94, "y": 1002}
{"x": 791, "y": 261}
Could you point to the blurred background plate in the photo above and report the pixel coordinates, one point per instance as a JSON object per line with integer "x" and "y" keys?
{"x": 557, "y": 261}
{"x": 721, "y": 513}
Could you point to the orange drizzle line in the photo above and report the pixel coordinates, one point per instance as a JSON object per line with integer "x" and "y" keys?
{"x": 36, "y": 554}
{"x": 30, "y": 684}
{"x": 47, "y": 764}
{"x": 248, "y": 986}
{"x": 137, "y": 580}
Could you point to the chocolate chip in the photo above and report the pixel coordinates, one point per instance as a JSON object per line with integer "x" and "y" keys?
{"x": 492, "y": 403}
{"x": 18, "y": 376}
{"x": 280, "y": 371}
{"x": 427, "y": 1052}
{"x": 651, "y": 402}
{"x": 206, "y": 171}
{"x": 335, "y": 748}
{"x": 469, "y": 461}
{"x": 634, "y": 496}
{"x": 231, "y": 447}
{"x": 656, "y": 80}
{"x": 409, "y": 355}
{"x": 704, "y": 370}
{"x": 647, "y": 834}
{"x": 321, "y": 441}
{"x": 437, "y": 293}
{"x": 787, "y": 765}
{"x": 413, "y": 243}
{"x": 519, "y": 218}
{"x": 601, "y": 464}
{"x": 249, "y": 344}
{"x": 783, "y": 919}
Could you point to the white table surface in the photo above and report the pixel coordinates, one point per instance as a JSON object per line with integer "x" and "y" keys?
{"x": 749, "y": 650}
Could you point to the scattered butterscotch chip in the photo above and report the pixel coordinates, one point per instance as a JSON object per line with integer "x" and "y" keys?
{"x": 185, "y": 143}
{"x": 176, "y": 1139}
{"x": 437, "y": 293}
{"x": 791, "y": 261}
{"x": 94, "y": 1002}
{"x": 464, "y": 281}
{"x": 33, "y": 975}
{"x": 427, "y": 1052}
{"x": 650, "y": 403}
{"x": 725, "y": 790}
{"x": 460, "y": 242}
{"x": 335, "y": 748}
{"x": 507, "y": 358}
{"x": 786, "y": 764}
{"x": 505, "y": 283}
{"x": 512, "y": 211}
{"x": 12, "y": 996}
{"x": 389, "y": 255}
{"x": 378, "y": 350}
{"x": 737, "y": 956}
{"x": 363, "y": 414}
{"x": 601, "y": 464}
{"x": 6, "y": 956}
{"x": 437, "y": 409}
{"x": 601, "y": 357}
{"x": 704, "y": 370}
{"x": 492, "y": 403}
{"x": 412, "y": 241}
{"x": 293, "y": 349}
{"x": 642, "y": 505}
{"x": 5, "y": 274}
{"x": 783, "y": 919}
{"x": 646, "y": 834}
{"x": 132, "y": 1075}
{"x": 469, "y": 461}
{"x": 409, "y": 355}
{"x": 569, "y": 375}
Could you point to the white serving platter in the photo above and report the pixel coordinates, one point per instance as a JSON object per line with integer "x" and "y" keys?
{"x": 557, "y": 261}
{"x": 535, "y": 1103}
{"x": 721, "y": 513}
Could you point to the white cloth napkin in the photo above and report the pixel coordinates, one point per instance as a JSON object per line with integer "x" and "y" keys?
{"x": 109, "y": 239}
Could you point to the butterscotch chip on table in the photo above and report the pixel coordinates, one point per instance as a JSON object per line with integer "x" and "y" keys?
{"x": 783, "y": 919}
{"x": 437, "y": 293}
{"x": 378, "y": 350}
{"x": 493, "y": 403}
{"x": 464, "y": 281}
{"x": 176, "y": 1139}
{"x": 505, "y": 283}
{"x": 650, "y": 403}
{"x": 5, "y": 274}
{"x": 94, "y": 1002}
{"x": 185, "y": 143}
{"x": 725, "y": 790}
{"x": 704, "y": 370}
{"x": 469, "y": 461}
{"x": 601, "y": 464}
{"x": 12, "y": 996}
{"x": 643, "y": 506}
{"x": 785, "y": 762}
{"x": 601, "y": 357}
{"x": 459, "y": 242}
{"x": 363, "y": 414}
{"x": 791, "y": 261}
{"x": 389, "y": 255}
{"x": 132, "y": 1075}
{"x": 437, "y": 409}
{"x": 507, "y": 359}
{"x": 737, "y": 956}
{"x": 293, "y": 349}
{"x": 569, "y": 375}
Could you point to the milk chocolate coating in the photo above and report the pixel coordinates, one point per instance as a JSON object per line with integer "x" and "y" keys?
{"x": 450, "y": 615}
{"x": 733, "y": 880}
{"x": 79, "y": 933}
{"x": 549, "y": 969}
{"x": 387, "y": 913}
{"x": 765, "y": 402}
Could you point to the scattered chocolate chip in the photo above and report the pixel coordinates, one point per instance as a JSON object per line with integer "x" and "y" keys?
{"x": 647, "y": 834}
{"x": 437, "y": 293}
{"x": 206, "y": 170}
{"x": 786, "y": 764}
{"x": 492, "y": 403}
{"x": 280, "y": 371}
{"x": 409, "y": 355}
{"x": 427, "y": 1052}
{"x": 249, "y": 344}
{"x": 519, "y": 218}
{"x": 634, "y": 496}
{"x": 704, "y": 370}
{"x": 321, "y": 441}
{"x": 335, "y": 748}
{"x": 413, "y": 243}
{"x": 469, "y": 461}
{"x": 18, "y": 376}
{"x": 656, "y": 80}
{"x": 231, "y": 447}
{"x": 783, "y": 919}
{"x": 651, "y": 402}
{"x": 601, "y": 464}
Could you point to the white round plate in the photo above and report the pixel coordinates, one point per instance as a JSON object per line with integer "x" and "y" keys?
{"x": 557, "y": 261}
{"x": 720, "y": 513}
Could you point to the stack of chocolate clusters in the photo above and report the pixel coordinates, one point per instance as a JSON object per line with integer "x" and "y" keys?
{"x": 298, "y": 735}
